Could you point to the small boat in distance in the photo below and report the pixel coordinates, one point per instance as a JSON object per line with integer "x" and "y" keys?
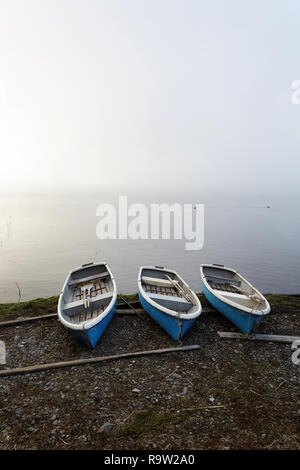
{"x": 87, "y": 302}
{"x": 167, "y": 298}
{"x": 233, "y": 296}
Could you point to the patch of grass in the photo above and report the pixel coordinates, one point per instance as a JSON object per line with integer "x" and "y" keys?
{"x": 285, "y": 299}
{"x": 151, "y": 421}
{"x": 17, "y": 309}
{"x": 43, "y": 306}
{"x": 128, "y": 297}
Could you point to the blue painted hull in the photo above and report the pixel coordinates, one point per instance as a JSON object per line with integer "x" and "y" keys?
{"x": 175, "y": 327}
{"x": 91, "y": 336}
{"x": 246, "y": 322}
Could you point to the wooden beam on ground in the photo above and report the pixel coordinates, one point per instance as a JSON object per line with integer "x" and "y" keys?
{"x": 135, "y": 303}
{"x": 20, "y": 320}
{"x": 49, "y": 316}
{"x": 260, "y": 337}
{"x": 92, "y": 360}
{"x": 125, "y": 311}
{"x": 2, "y": 353}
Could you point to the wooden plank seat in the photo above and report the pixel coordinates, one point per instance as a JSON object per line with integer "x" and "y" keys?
{"x": 171, "y": 302}
{"x": 87, "y": 279}
{"x": 73, "y": 308}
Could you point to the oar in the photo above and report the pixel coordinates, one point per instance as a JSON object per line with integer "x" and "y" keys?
{"x": 180, "y": 290}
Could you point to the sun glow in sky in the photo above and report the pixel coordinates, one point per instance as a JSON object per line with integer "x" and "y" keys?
{"x": 149, "y": 94}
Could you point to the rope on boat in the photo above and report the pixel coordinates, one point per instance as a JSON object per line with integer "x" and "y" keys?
{"x": 255, "y": 323}
{"x": 180, "y": 324}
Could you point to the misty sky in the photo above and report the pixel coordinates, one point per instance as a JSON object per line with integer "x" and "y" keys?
{"x": 148, "y": 93}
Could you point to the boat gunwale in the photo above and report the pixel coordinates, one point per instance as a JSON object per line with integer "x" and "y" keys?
{"x": 86, "y": 325}
{"x": 228, "y": 301}
{"x": 173, "y": 313}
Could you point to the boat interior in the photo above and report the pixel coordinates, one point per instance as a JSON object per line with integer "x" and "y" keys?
{"x": 167, "y": 290}
{"x": 87, "y": 294}
{"x": 232, "y": 287}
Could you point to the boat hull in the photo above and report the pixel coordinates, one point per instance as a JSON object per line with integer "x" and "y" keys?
{"x": 91, "y": 336}
{"x": 246, "y": 322}
{"x": 174, "y": 326}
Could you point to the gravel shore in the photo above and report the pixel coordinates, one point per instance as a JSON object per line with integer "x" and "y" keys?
{"x": 229, "y": 394}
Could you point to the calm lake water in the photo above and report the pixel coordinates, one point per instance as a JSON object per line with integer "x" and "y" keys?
{"x": 42, "y": 240}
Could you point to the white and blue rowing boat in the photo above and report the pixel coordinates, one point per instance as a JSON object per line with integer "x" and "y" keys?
{"x": 233, "y": 296}
{"x": 167, "y": 298}
{"x": 87, "y": 302}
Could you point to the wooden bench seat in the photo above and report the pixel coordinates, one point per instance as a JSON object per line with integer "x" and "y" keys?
{"x": 171, "y": 302}
{"x": 73, "y": 308}
{"x": 155, "y": 281}
{"x": 87, "y": 279}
